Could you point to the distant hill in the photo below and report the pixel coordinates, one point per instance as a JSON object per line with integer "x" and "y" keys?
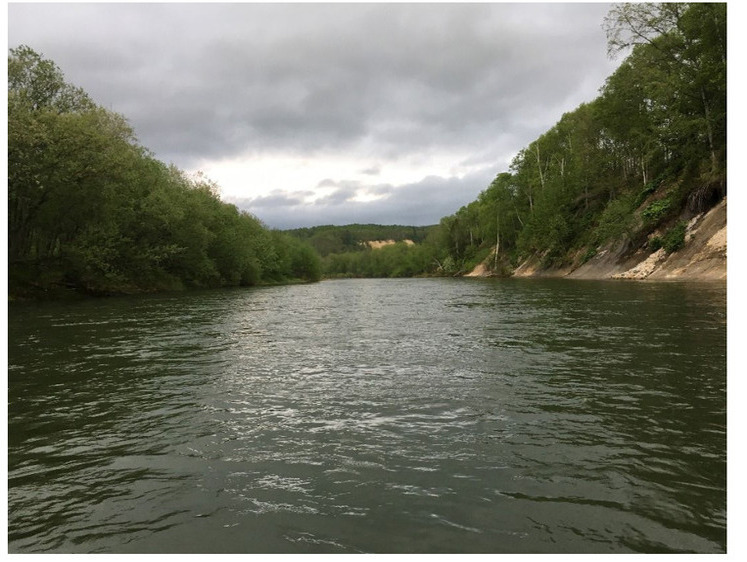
{"x": 329, "y": 239}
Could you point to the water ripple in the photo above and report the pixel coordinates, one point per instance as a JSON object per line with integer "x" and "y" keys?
{"x": 371, "y": 416}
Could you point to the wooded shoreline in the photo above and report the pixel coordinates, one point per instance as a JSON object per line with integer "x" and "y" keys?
{"x": 631, "y": 185}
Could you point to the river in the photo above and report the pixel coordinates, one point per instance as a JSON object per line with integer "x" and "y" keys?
{"x": 385, "y": 416}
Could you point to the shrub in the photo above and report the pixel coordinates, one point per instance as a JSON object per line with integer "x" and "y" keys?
{"x": 674, "y": 239}
{"x": 657, "y": 210}
{"x": 647, "y": 190}
{"x": 615, "y": 220}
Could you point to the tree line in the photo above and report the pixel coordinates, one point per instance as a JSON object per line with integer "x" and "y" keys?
{"x": 330, "y": 239}
{"x": 346, "y": 250}
{"x": 91, "y": 210}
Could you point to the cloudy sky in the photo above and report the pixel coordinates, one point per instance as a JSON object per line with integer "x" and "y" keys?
{"x": 312, "y": 114}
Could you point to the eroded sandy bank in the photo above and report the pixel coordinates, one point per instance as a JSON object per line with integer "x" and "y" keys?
{"x": 702, "y": 258}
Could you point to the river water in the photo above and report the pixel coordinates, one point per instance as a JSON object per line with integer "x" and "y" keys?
{"x": 387, "y": 416}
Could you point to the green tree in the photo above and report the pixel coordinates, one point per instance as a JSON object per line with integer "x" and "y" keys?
{"x": 91, "y": 209}
{"x": 686, "y": 43}
{"x": 36, "y": 84}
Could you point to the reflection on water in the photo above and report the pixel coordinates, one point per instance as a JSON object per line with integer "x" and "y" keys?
{"x": 372, "y": 416}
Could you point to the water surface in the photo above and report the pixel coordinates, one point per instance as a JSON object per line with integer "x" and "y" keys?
{"x": 427, "y": 415}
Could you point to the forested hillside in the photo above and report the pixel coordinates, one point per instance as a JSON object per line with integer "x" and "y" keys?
{"x": 91, "y": 210}
{"x": 329, "y": 239}
{"x": 642, "y": 158}
{"x": 371, "y": 250}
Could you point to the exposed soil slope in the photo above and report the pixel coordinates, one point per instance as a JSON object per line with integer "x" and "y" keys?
{"x": 376, "y": 244}
{"x": 702, "y": 258}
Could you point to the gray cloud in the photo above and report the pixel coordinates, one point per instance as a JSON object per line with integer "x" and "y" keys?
{"x": 372, "y": 171}
{"x": 280, "y": 199}
{"x": 327, "y": 182}
{"x": 218, "y": 79}
{"x": 344, "y": 193}
{"x": 209, "y": 81}
{"x": 417, "y": 204}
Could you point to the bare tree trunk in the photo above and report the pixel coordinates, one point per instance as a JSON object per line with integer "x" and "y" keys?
{"x": 709, "y": 131}
{"x": 539, "y": 166}
{"x": 497, "y": 238}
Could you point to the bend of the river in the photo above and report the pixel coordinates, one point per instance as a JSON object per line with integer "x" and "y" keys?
{"x": 387, "y": 416}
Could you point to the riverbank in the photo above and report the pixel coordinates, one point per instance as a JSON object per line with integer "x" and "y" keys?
{"x": 701, "y": 258}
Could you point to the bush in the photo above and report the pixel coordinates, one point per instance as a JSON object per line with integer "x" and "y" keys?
{"x": 674, "y": 239}
{"x": 657, "y": 210}
{"x": 615, "y": 220}
{"x": 655, "y": 243}
{"x": 647, "y": 190}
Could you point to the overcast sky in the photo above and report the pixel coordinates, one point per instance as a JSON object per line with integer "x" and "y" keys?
{"x": 335, "y": 113}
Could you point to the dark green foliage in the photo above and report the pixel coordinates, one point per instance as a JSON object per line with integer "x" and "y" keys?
{"x": 615, "y": 220}
{"x": 395, "y": 260}
{"x": 91, "y": 210}
{"x": 657, "y": 210}
{"x": 647, "y": 190}
{"x": 674, "y": 239}
{"x": 346, "y": 251}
